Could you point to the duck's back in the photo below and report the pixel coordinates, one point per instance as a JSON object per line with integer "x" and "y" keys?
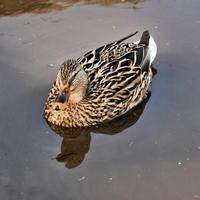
{"x": 119, "y": 74}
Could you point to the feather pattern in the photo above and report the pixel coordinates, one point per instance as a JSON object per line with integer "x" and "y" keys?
{"x": 119, "y": 75}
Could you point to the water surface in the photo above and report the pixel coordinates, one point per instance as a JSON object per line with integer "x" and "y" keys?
{"x": 157, "y": 158}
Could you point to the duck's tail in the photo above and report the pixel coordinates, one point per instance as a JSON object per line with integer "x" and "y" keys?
{"x": 148, "y": 40}
{"x": 152, "y": 49}
{"x": 145, "y": 38}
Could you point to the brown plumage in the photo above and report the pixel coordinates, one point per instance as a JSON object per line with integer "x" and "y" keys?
{"x": 102, "y": 85}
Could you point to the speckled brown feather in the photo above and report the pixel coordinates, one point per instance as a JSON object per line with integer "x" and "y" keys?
{"x": 117, "y": 83}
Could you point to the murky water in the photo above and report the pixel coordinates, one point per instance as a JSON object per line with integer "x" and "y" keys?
{"x": 156, "y": 158}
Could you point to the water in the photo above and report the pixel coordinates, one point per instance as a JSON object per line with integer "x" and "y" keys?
{"x": 156, "y": 158}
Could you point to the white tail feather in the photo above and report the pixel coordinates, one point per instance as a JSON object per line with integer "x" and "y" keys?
{"x": 152, "y": 50}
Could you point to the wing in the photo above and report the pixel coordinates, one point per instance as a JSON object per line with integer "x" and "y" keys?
{"x": 92, "y": 57}
{"x": 117, "y": 75}
{"x": 118, "y": 66}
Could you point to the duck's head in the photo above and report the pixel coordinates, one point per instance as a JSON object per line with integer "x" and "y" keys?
{"x": 70, "y": 85}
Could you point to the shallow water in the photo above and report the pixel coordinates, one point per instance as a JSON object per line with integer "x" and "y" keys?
{"x": 157, "y": 158}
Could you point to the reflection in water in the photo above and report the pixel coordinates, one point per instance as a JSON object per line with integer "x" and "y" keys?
{"x": 73, "y": 150}
{"x": 16, "y": 7}
{"x": 76, "y": 141}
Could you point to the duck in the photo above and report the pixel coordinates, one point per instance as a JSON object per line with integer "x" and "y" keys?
{"x": 103, "y": 84}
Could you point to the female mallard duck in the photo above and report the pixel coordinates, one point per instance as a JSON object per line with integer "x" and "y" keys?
{"x": 102, "y": 85}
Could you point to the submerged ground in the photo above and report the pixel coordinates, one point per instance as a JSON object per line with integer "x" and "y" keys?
{"x": 157, "y": 158}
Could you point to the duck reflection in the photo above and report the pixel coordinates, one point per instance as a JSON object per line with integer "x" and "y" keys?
{"x": 73, "y": 150}
{"x": 76, "y": 141}
{"x": 16, "y": 7}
